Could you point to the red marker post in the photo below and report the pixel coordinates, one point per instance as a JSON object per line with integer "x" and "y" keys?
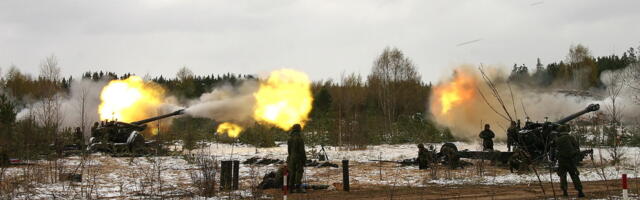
{"x": 625, "y": 187}
{"x": 285, "y": 186}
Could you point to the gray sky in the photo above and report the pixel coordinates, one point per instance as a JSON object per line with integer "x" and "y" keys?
{"x": 322, "y": 38}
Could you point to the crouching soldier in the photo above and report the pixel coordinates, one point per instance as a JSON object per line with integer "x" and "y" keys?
{"x": 423, "y": 157}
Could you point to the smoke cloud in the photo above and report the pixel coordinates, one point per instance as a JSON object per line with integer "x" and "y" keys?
{"x": 469, "y": 111}
{"x": 77, "y": 108}
{"x": 227, "y": 103}
{"x": 83, "y": 92}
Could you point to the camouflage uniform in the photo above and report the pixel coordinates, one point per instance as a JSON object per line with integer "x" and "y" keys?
{"x": 568, "y": 152}
{"x": 487, "y": 138}
{"x": 423, "y": 157}
{"x": 296, "y": 158}
{"x": 78, "y": 137}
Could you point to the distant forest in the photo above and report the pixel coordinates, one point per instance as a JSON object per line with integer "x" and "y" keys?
{"x": 387, "y": 106}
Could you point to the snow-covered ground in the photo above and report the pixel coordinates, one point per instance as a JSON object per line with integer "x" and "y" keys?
{"x": 110, "y": 177}
{"x": 365, "y": 171}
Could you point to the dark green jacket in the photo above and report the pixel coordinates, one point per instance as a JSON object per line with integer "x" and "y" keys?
{"x": 567, "y": 147}
{"x": 487, "y": 135}
{"x": 296, "y": 149}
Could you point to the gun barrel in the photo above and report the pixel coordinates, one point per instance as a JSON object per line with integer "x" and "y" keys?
{"x": 144, "y": 121}
{"x": 590, "y": 108}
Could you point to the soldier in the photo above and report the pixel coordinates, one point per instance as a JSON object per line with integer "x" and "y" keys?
{"x": 512, "y": 134}
{"x": 94, "y": 128}
{"x": 487, "y": 138}
{"x": 432, "y": 154}
{"x": 451, "y": 158}
{"x": 78, "y": 137}
{"x": 423, "y": 157}
{"x": 568, "y": 152}
{"x": 296, "y": 158}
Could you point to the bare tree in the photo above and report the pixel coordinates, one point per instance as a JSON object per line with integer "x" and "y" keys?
{"x": 583, "y": 69}
{"x": 184, "y": 73}
{"x": 82, "y": 99}
{"x": 389, "y": 78}
{"x": 348, "y": 98}
{"x": 614, "y": 82}
{"x": 187, "y": 83}
{"x": 578, "y": 53}
{"x": 49, "y": 69}
{"x": 48, "y": 107}
{"x": 633, "y": 79}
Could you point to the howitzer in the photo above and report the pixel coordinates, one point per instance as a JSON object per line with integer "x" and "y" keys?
{"x": 405, "y": 162}
{"x": 144, "y": 121}
{"x": 537, "y": 138}
{"x": 116, "y": 136}
{"x": 590, "y": 108}
{"x": 534, "y": 141}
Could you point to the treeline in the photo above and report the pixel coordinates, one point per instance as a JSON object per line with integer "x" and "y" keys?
{"x": 580, "y": 70}
{"x": 389, "y": 105}
{"x": 40, "y": 130}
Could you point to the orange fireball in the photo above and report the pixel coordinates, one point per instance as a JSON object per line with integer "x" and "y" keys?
{"x": 231, "y": 129}
{"x": 130, "y": 99}
{"x": 284, "y": 99}
{"x": 448, "y": 95}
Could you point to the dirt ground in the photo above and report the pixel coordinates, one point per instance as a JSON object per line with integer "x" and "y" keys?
{"x": 593, "y": 189}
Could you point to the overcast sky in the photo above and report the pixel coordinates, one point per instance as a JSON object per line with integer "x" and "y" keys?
{"x": 322, "y": 38}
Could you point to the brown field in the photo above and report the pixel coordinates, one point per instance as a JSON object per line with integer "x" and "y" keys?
{"x": 593, "y": 189}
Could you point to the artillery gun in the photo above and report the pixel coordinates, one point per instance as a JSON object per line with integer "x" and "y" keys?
{"x": 117, "y": 137}
{"x": 534, "y": 141}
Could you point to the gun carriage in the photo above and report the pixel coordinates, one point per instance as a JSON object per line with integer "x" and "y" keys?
{"x": 122, "y": 137}
{"x": 535, "y": 140}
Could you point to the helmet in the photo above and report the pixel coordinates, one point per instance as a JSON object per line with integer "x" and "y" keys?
{"x": 421, "y": 145}
{"x": 296, "y": 127}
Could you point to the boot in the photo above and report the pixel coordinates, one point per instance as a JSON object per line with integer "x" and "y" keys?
{"x": 580, "y": 194}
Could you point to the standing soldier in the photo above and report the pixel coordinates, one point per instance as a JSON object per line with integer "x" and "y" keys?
{"x": 512, "y": 135}
{"x": 423, "y": 157}
{"x": 296, "y": 158}
{"x": 78, "y": 138}
{"x": 432, "y": 154}
{"x": 568, "y": 152}
{"x": 487, "y": 138}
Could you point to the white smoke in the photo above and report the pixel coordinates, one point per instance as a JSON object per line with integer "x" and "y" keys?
{"x": 619, "y": 97}
{"x": 466, "y": 120}
{"x": 77, "y": 108}
{"x": 227, "y": 103}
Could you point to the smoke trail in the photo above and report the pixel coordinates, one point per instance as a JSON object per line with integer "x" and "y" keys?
{"x": 227, "y": 103}
{"x": 282, "y": 99}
